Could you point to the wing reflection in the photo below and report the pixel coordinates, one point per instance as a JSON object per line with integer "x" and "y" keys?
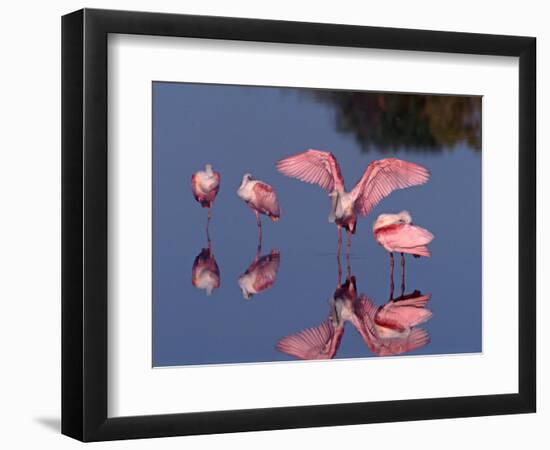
{"x": 261, "y": 274}
{"x": 390, "y": 329}
{"x": 205, "y": 273}
{"x": 323, "y": 341}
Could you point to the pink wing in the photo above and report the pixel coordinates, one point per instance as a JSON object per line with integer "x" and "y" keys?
{"x": 381, "y": 178}
{"x": 405, "y": 238}
{"x": 313, "y": 166}
{"x": 265, "y": 200}
{"x": 415, "y": 299}
{"x": 195, "y": 186}
{"x": 400, "y": 317}
{"x": 363, "y": 320}
{"x": 418, "y": 338}
{"x": 319, "y": 342}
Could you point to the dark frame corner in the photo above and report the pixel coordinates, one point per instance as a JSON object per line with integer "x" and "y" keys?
{"x": 84, "y": 224}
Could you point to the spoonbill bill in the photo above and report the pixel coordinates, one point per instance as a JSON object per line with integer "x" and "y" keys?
{"x": 397, "y": 233}
{"x": 379, "y": 180}
{"x": 261, "y": 198}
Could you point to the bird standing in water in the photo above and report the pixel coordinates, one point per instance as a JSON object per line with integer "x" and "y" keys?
{"x": 261, "y": 198}
{"x": 205, "y": 185}
{"x": 379, "y": 180}
{"x": 397, "y": 233}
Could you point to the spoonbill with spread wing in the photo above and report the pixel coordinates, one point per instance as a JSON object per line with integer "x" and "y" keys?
{"x": 379, "y": 180}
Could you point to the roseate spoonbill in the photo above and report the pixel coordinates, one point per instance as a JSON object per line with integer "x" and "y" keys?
{"x": 205, "y": 273}
{"x": 391, "y": 329}
{"x": 379, "y": 180}
{"x": 205, "y": 185}
{"x": 397, "y": 233}
{"x": 260, "y": 275}
{"x": 261, "y": 198}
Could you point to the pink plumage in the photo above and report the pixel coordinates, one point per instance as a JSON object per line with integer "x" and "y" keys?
{"x": 205, "y": 273}
{"x": 397, "y": 233}
{"x": 381, "y": 178}
{"x": 260, "y": 275}
{"x": 403, "y": 314}
{"x": 205, "y": 185}
{"x": 417, "y": 338}
{"x": 319, "y": 342}
{"x": 391, "y": 329}
{"x": 261, "y": 198}
{"x": 314, "y": 166}
{"x": 265, "y": 201}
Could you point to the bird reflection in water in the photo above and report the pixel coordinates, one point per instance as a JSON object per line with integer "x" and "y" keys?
{"x": 205, "y": 273}
{"x": 261, "y": 274}
{"x": 390, "y": 329}
{"x": 323, "y": 341}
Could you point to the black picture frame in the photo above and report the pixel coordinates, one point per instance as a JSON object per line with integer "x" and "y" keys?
{"x": 84, "y": 224}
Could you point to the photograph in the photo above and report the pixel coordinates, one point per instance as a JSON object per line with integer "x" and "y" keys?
{"x": 313, "y": 224}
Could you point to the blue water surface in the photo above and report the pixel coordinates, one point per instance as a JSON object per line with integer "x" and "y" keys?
{"x": 247, "y": 129}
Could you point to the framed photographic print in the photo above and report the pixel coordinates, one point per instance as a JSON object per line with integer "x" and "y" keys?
{"x": 273, "y": 224}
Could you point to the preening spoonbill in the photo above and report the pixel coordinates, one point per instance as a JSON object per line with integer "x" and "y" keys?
{"x": 261, "y": 198}
{"x": 205, "y": 185}
{"x": 381, "y": 178}
{"x": 397, "y": 233}
{"x": 261, "y": 274}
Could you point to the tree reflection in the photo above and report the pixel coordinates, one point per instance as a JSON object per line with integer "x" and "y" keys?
{"x": 399, "y": 122}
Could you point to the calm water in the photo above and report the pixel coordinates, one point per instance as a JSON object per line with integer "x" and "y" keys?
{"x": 247, "y": 129}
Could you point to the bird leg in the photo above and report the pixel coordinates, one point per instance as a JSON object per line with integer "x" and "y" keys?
{"x": 259, "y": 222}
{"x": 208, "y": 226}
{"x": 391, "y": 276}
{"x": 402, "y": 274}
{"x": 339, "y": 280}
{"x": 339, "y": 240}
{"x": 348, "y": 258}
{"x": 338, "y": 255}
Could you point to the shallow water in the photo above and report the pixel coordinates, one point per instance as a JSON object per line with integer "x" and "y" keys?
{"x": 247, "y": 129}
